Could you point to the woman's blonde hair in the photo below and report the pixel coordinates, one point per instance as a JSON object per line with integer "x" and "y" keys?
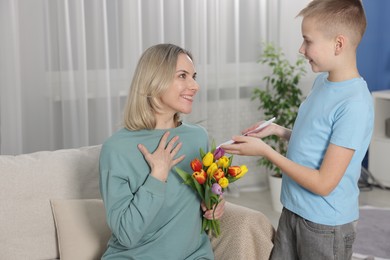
{"x": 154, "y": 74}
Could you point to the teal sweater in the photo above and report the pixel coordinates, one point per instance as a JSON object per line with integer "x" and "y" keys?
{"x": 150, "y": 219}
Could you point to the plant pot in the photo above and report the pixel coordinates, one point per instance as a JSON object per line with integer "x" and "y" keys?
{"x": 275, "y": 186}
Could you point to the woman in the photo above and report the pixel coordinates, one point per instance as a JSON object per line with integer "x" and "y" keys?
{"x": 153, "y": 215}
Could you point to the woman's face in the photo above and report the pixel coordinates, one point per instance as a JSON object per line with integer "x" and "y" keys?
{"x": 180, "y": 94}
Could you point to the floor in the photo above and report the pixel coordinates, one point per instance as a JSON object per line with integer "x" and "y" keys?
{"x": 261, "y": 200}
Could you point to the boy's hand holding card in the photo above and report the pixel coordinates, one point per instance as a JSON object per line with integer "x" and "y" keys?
{"x": 257, "y": 129}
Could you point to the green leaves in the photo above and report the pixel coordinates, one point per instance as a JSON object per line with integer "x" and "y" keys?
{"x": 210, "y": 175}
{"x": 199, "y": 189}
{"x": 187, "y": 178}
{"x": 213, "y": 146}
{"x": 211, "y": 226}
{"x": 210, "y": 199}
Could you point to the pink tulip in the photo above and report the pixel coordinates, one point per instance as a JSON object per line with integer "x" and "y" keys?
{"x": 218, "y": 153}
{"x": 216, "y": 189}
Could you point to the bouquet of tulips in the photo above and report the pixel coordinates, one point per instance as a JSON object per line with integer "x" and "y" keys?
{"x": 212, "y": 174}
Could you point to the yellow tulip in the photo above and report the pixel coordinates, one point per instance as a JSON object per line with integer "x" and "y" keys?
{"x": 223, "y": 182}
{"x": 212, "y": 168}
{"x": 208, "y": 159}
{"x": 223, "y": 162}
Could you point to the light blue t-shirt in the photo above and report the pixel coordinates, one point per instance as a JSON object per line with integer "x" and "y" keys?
{"x": 340, "y": 113}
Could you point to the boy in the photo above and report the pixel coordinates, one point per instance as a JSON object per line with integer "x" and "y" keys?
{"x": 328, "y": 142}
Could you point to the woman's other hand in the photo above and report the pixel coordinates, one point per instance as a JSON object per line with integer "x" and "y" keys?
{"x": 220, "y": 209}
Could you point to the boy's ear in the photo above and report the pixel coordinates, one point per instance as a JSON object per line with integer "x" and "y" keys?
{"x": 339, "y": 44}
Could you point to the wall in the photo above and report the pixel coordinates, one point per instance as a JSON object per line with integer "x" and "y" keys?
{"x": 290, "y": 36}
{"x": 374, "y": 50}
{"x": 373, "y": 55}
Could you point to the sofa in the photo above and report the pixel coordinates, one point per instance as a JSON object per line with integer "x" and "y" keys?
{"x": 51, "y": 208}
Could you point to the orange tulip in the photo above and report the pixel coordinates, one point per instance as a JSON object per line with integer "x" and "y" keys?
{"x": 234, "y": 170}
{"x": 244, "y": 170}
{"x": 218, "y": 174}
{"x": 196, "y": 165}
{"x": 200, "y": 176}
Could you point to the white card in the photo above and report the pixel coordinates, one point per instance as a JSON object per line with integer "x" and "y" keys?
{"x": 257, "y": 129}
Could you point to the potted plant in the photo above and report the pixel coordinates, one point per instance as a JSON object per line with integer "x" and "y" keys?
{"x": 280, "y": 98}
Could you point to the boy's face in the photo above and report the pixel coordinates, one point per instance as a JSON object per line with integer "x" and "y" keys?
{"x": 317, "y": 47}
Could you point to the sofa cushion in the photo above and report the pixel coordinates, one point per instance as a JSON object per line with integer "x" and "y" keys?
{"x": 29, "y": 182}
{"x": 27, "y": 229}
{"x": 81, "y": 228}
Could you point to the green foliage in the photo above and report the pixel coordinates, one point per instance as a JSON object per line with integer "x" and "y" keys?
{"x": 281, "y": 96}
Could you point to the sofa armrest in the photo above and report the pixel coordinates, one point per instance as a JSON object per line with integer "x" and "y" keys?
{"x": 245, "y": 234}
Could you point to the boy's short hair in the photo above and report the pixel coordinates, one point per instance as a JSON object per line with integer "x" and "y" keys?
{"x": 338, "y": 17}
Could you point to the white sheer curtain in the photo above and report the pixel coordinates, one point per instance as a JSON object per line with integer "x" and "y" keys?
{"x": 66, "y": 65}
